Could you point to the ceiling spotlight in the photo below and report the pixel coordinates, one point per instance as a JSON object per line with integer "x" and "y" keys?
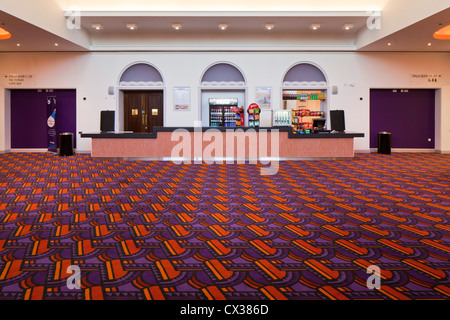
{"x": 348, "y": 26}
{"x": 315, "y": 26}
{"x": 176, "y": 26}
{"x": 131, "y": 26}
{"x": 429, "y": 44}
{"x": 223, "y": 26}
{"x": 18, "y": 44}
{"x": 97, "y": 26}
{"x": 389, "y": 44}
{"x": 270, "y": 26}
{"x": 56, "y": 44}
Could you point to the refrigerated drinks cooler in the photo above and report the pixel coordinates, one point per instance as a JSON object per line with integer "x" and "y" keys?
{"x": 282, "y": 118}
{"x": 221, "y": 112}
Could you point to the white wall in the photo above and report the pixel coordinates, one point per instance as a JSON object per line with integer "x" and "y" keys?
{"x": 354, "y": 73}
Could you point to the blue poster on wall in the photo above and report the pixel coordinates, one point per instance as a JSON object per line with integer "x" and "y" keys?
{"x": 51, "y": 124}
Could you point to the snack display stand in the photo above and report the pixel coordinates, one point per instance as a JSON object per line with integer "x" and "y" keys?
{"x": 253, "y": 115}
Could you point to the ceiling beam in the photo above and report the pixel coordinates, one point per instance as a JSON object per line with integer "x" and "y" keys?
{"x": 397, "y": 15}
{"x": 325, "y": 14}
{"x": 47, "y": 16}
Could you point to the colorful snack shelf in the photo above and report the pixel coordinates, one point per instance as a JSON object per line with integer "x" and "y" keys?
{"x": 253, "y": 115}
{"x": 301, "y": 125}
{"x": 304, "y": 96}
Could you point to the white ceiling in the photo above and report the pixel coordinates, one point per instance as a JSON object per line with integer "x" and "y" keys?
{"x": 43, "y": 23}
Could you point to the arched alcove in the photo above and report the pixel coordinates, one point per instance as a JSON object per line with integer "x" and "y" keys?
{"x": 223, "y": 74}
{"x": 305, "y": 74}
{"x": 141, "y": 74}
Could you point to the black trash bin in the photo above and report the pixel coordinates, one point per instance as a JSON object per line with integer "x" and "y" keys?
{"x": 66, "y": 144}
{"x": 384, "y": 142}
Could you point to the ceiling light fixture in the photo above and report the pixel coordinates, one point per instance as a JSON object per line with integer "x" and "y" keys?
{"x": 4, "y": 34}
{"x": 18, "y": 44}
{"x": 348, "y": 26}
{"x": 429, "y": 44}
{"x": 443, "y": 34}
{"x": 97, "y": 26}
{"x": 315, "y": 26}
{"x": 223, "y": 26}
{"x": 56, "y": 44}
{"x": 270, "y": 26}
{"x": 131, "y": 26}
{"x": 389, "y": 44}
{"x": 176, "y": 26}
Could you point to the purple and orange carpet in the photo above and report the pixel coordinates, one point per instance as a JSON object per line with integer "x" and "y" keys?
{"x": 155, "y": 230}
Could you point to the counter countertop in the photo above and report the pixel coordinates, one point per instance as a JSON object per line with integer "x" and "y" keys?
{"x": 153, "y": 135}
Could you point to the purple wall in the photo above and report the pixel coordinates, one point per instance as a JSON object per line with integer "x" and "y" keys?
{"x": 409, "y": 116}
{"x": 29, "y": 116}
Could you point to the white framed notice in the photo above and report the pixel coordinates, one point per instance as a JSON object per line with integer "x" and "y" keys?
{"x": 182, "y": 99}
{"x": 264, "y": 97}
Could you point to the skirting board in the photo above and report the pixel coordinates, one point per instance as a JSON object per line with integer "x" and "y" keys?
{"x": 405, "y": 150}
{"x": 221, "y": 160}
{"x": 40, "y": 150}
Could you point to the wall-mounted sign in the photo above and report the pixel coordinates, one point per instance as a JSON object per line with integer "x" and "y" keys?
{"x": 19, "y": 80}
{"x": 427, "y": 79}
{"x": 182, "y": 99}
{"x": 264, "y": 97}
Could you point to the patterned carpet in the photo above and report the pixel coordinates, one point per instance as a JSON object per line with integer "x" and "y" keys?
{"x": 156, "y": 230}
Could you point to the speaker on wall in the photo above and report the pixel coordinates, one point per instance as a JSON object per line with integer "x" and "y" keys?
{"x": 106, "y": 121}
{"x": 334, "y": 89}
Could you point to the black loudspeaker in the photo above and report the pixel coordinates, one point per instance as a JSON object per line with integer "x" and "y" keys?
{"x": 337, "y": 120}
{"x": 106, "y": 121}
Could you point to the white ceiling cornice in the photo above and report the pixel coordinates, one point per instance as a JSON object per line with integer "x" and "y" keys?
{"x": 112, "y": 14}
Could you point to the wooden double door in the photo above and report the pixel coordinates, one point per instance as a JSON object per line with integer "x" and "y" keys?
{"x": 143, "y": 110}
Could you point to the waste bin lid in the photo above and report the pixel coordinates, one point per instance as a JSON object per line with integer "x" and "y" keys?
{"x": 66, "y": 133}
{"x": 384, "y": 132}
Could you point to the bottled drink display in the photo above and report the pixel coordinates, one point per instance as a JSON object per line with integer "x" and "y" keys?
{"x": 221, "y": 112}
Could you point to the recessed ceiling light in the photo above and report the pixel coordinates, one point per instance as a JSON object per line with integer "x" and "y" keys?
{"x": 176, "y": 26}
{"x": 429, "y": 44}
{"x": 389, "y": 44}
{"x": 223, "y": 26}
{"x": 131, "y": 26}
{"x": 56, "y": 44}
{"x": 18, "y": 44}
{"x": 97, "y": 26}
{"x": 348, "y": 26}
{"x": 315, "y": 26}
{"x": 270, "y": 26}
